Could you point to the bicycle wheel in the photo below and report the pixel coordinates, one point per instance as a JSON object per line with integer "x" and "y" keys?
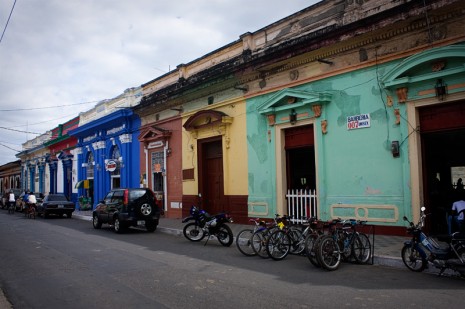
{"x": 361, "y": 248}
{"x": 244, "y": 242}
{"x": 278, "y": 245}
{"x": 297, "y": 241}
{"x": 310, "y": 245}
{"x": 345, "y": 246}
{"x": 259, "y": 243}
{"x": 328, "y": 253}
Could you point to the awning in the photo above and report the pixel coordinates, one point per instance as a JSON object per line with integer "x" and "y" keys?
{"x": 85, "y": 184}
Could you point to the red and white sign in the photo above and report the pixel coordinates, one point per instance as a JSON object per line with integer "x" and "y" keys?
{"x": 111, "y": 166}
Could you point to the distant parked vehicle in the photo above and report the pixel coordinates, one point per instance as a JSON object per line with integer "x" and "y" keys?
{"x": 123, "y": 208}
{"x": 56, "y": 204}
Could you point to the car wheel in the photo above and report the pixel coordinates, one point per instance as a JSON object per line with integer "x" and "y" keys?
{"x": 69, "y": 215}
{"x": 96, "y": 222}
{"x": 45, "y": 214}
{"x": 118, "y": 226}
{"x": 145, "y": 210}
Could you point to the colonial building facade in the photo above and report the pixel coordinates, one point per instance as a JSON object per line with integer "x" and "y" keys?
{"x": 60, "y": 160}
{"x": 107, "y": 149}
{"x": 358, "y": 106}
{"x": 345, "y": 98}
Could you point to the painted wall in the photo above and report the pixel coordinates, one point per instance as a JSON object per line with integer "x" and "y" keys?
{"x": 357, "y": 175}
{"x": 235, "y": 165}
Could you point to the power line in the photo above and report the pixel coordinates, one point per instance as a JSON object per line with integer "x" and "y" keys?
{"x": 20, "y": 131}
{"x": 45, "y": 107}
{"x": 1, "y": 144}
{"x": 6, "y": 26}
{"x": 64, "y": 105}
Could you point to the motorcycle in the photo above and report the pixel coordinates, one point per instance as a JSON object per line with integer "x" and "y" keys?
{"x": 446, "y": 253}
{"x": 206, "y": 225}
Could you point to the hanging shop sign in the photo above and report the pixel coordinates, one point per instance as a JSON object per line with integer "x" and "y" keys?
{"x": 111, "y": 166}
{"x": 358, "y": 121}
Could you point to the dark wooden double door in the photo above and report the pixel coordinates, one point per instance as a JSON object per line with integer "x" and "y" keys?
{"x": 211, "y": 182}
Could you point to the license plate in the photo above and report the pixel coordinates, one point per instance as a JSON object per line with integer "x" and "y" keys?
{"x": 141, "y": 222}
{"x": 61, "y": 206}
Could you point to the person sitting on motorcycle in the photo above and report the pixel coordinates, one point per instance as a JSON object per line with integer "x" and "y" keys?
{"x": 31, "y": 200}
{"x": 458, "y": 213}
{"x": 11, "y": 199}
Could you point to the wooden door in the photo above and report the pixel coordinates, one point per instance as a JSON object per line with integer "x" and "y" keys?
{"x": 212, "y": 182}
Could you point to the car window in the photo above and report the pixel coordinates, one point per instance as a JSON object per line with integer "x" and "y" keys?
{"x": 57, "y": 197}
{"x": 117, "y": 196}
{"x": 107, "y": 198}
{"x": 136, "y": 194}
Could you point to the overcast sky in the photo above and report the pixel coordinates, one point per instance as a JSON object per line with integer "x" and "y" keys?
{"x": 59, "y": 58}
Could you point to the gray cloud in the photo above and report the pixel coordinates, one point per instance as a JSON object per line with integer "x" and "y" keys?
{"x": 58, "y": 53}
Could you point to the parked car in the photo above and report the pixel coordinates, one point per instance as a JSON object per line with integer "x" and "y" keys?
{"x": 57, "y": 204}
{"x": 127, "y": 207}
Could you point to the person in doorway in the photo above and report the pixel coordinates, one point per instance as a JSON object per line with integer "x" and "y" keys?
{"x": 458, "y": 214}
{"x": 459, "y": 185}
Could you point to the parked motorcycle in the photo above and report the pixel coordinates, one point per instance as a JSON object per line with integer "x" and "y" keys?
{"x": 446, "y": 253}
{"x": 206, "y": 225}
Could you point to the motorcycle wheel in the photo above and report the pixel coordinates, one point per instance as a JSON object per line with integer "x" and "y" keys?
{"x": 193, "y": 232}
{"x": 224, "y": 235}
{"x": 412, "y": 259}
{"x": 328, "y": 253}
{"x": 461, "y": 254}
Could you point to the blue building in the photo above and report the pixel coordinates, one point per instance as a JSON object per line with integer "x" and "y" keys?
{"x": 108, "y": 154}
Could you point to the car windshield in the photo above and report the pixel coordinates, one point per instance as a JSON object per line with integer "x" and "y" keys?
{"x": 57, "y": 197}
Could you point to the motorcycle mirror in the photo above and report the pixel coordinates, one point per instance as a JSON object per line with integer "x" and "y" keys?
{"x": 405, "y": 218}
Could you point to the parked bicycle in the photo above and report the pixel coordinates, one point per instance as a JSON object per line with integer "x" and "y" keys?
{"x": 260, "y": 237}
{"x": 244, "y": 237}
{"x": 290, "y": 239}
{"x": 341, "y": 244}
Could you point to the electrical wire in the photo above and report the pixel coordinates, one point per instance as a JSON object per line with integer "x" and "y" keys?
{"x": 6, "y": 26}
{"x": 1, "y": 144}
{"x": 45, "y": 107}
{"x": 21, "y": 131}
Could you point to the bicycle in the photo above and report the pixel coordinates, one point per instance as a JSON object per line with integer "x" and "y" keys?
{"x": 290, "y": 239}
{"x": 311, "y": 241}
{"x": 30, "y": 211}
{"x": 259, "y": 238}
{"x": 244, "y": 238}
{"x": 326, "y": 248}
{"x": 11, "y": 207}
{"x": 354, "y": 244}
{"x": 339, "y": 244}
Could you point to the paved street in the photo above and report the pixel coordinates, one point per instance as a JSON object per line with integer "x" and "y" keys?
{"x": 65, "y": 263}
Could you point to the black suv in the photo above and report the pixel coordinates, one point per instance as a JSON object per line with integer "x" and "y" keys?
{"x": 123, "y": 208}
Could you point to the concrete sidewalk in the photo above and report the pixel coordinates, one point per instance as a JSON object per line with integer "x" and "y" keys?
{"x": 387, "y": 249}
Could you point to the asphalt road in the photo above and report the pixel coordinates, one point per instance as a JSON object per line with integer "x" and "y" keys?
{"x": 65, "y": 263}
